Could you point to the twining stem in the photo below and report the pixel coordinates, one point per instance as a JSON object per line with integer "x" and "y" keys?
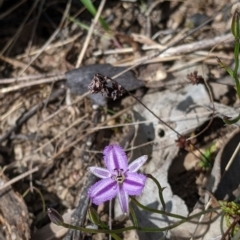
{"x": 234, "y": 75}
{"x": 158, "y": 211}
{"x": 235, "y": 71}
{"x": 160, "y": 190}
{"x": 134, "y": 218}
{"x": 232, "y": 121}
{"x": 142, "y": 229}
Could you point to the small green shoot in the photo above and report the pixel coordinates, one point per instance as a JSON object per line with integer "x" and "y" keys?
{"x": 206, "y": 162}
{"x": 235, "y": 28}
{"x": 231, "y": 212}
{"x": 90, "y": 7}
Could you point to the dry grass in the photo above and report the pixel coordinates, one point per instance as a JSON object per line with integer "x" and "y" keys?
{"x": 49, "y": 137}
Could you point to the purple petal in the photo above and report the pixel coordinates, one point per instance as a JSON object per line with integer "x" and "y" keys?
{"x": 123, "y": 200}
{"x": 115, "y": 158}
{"x": 103, "y": 190}
{"x": 100, "y": 172}
{"x": 136, "y": 164}
{"x": 134, "y": 183}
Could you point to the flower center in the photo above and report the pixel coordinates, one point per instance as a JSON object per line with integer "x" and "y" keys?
{"x": 119, "y": 177}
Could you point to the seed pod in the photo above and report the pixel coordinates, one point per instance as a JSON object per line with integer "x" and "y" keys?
{"x": 55, "y": 217}
{"x": 93, "y": 216}
{"x": 236, "y": 25}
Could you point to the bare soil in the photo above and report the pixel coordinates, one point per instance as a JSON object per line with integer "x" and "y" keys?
{"x": 57, "y": 134}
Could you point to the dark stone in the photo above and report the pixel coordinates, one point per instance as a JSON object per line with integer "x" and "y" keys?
{"x": 79, "y": 79}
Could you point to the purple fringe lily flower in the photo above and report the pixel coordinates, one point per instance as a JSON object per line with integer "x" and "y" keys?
{"x": 119, "y": 179}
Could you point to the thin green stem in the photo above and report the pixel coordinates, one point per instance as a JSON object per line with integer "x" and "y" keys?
{"x": 142, "y": 229}
{"x": 236, "y": 56}
{"x": 235, "y": 72}
{"x": 121, "y": 230}
{"x": 231, "y": 121}
{"x": 157, "y": 211}
{"x": 134, "y": 218}
{"x": 104, "y": 226}
{"x": 172, "y": 214}
{"x": 160, "y": 190}
{"x": 42, "y": 199}
{"x": 115, "y": 236}
{"x": 90, "y": 7}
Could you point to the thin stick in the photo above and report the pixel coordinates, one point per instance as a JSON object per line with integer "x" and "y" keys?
{"x": 16, "y": 179}
{"x": 170, "y": 53}
{"x": 212, "y": 115}
{"x": 173, "y": 44}
{"x": 230, "y": 228}
{"x": 113, "y": 51}
{"x": 212, "y": 102}
{"x": 33, "y": 83}
{"x": 51, "y": 46}
{"x": 3, "y": 15}
{"x": 50, "y": 39}
{"x": 110, "y": 219}
{"x": 16, "y": 35}
{"x": 11, "y": 110}
{"x": 62, "y": 109}
{"x": 31, "y": 112}
{"x": 16, "y": 63}
{"x": 233, "y": 157}
{"x": 30, "y": 42}
{"x": 90, "y": 32}
{"x": 29, "y": 77}
{"x": 201, "y": 218}
{"x": 83, "y": 136}
{"x": 79, "y": 120}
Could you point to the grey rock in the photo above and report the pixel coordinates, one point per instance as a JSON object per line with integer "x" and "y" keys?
{"x": 79, "y": 79}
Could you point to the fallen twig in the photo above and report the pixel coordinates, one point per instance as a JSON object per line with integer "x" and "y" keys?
{"x": 32, "y": 83}
{"x": 31, "y": 112}
{"x": 19, "y": 177}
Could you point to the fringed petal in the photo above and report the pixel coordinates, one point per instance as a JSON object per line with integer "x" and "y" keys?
{"x": 123, "y": 200}
{"x": 115, "y": 158}
{"x": 134, "y": 183}
{"x": 136, "y": 164}
{"x": 100, "y": 172}
{"x": 103, "y": 190}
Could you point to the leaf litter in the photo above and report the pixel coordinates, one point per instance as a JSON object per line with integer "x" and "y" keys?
{"x": 48, "y": 125}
